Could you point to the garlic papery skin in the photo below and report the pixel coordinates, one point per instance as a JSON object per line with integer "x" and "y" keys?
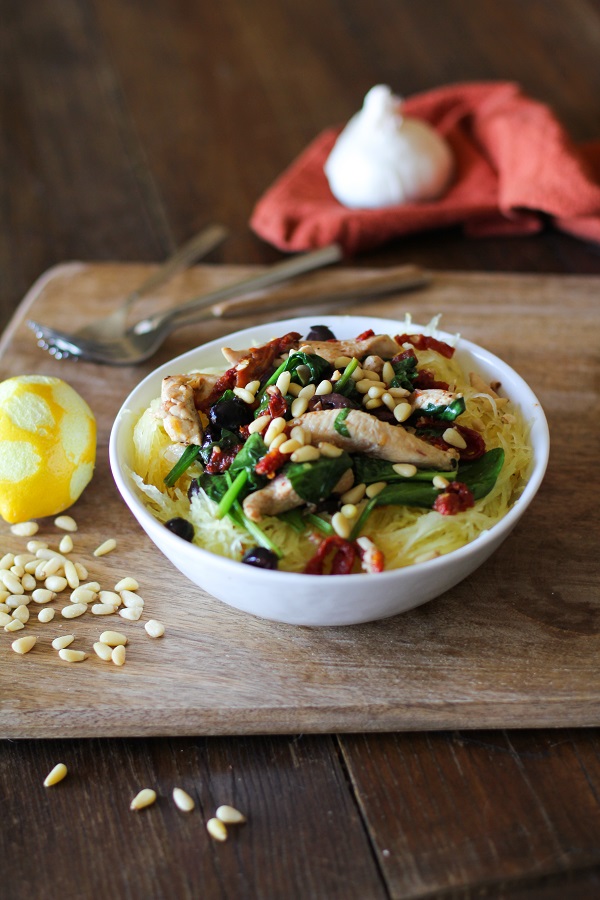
{"x": 383, "y": 158}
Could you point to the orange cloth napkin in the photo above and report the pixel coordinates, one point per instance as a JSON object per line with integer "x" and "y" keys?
{"x": 515, "y": 167}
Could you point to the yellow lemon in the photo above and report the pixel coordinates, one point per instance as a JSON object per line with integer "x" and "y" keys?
{"x": 47, "y": 447}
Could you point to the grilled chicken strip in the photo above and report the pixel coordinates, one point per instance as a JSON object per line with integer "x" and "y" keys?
{"x": 279, "y": 496}
{"x": 421, "y": 399}
{"x": 378, "y": 344}
{"x": 180, "y": 396}
{"x": 375, "y": 438}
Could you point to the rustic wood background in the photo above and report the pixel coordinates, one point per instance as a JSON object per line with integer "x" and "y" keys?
{"x": 123, "y": 128}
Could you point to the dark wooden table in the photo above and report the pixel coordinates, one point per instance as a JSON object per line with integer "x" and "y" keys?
{"x": 124, "y": 127}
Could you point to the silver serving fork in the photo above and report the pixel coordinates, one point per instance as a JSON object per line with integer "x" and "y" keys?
{"x": 143, "y": 339}
{"x": 112, "y": 326}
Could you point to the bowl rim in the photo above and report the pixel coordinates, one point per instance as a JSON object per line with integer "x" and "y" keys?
{"x": 177, "y": 545}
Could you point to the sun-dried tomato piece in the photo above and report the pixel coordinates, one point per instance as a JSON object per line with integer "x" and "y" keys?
{"x": 220, "y": 460}
{"x": 475, "y": 443}
{"x": 225, "y": 383}
{"x": 426, "y": 342}
{"x": 365, "y": 334}
{"x": 270, "y": 464}
{"x": 425, "y": 380}
{"x": 456, "y": 498}
{"x": 277, "y": 402}
{"x": 260, "y": 359}
{"x": 342, "y": 562}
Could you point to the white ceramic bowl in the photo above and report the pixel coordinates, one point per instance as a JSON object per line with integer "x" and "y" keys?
{"x": 334, "y": 599}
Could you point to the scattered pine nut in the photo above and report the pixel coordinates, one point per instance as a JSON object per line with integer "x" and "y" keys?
{"x": 229, "y": 815}
{"x": 66, "y": 544}
{"x": 132, "y": 614}
{"x": 354, "y": 494}
{"x": 307, "y": 453}
{"x": 182, "y": 800}
{"x": 14, "y": 625}
{"x": 34, "y": 546}
{"x": 325, "y": 387}
{"x": 154, "y": 629}
{"x": 276, "y": 427}
{"x": 74, "y": 610}
{"x": 103, "y": 609}
{"x": 407, "y": 470}
{"x": 454, "y": 438}
{"x": 56, "y": 583}
{"x": 7, "y": 561}
{"x": 283, "y": 382}
{"x": 105, "y": 548}
{"x": 55, "y": 775}
{"x": 103, "y": 651}
{"x": 12, "y": 583}
{"x": 341, "y": 525}
{"x": 113, "y": 638}
{"x": 375, "y": 488}
{"x": 402, "y": 411}
{"x": 216, "y": 829}
{"x": 83, "y": 595}
{"x": 23, "y": 645}
{"x": 146, "y": 797}
{"x": 66, "y": 523}
{"x": 126, "y": 584}
{"x": 244, "y": 394}
{"x": 63, "y": 641}
{"x": 440, "y": 482}
{"x": 5, "y": 618}
{"x": 81, "y": 571}
{"x": 258, "y": 424}
{"x": 387, "y": 372}
{"x": 349, "y": 510}
{"x": 25, "y": 529}
{"x": 29, "y": 582}
{"x": 45, "y": 615}
{"x": 42, "y": 595}
{"x": 253, "y": 386}
{"x": 288, "y": 446}
{"x": 21, "y": 613}
{"x": 299, "y": 406}
{"x": 110, "y": 597}
{"x": 118, "y": 655}
{"x": 331, "y": 451}
{"x": 71, "y": 574}
{"x": 278, "y": 440}
{"x": 15, "y": 600}
{"x": 72, "y": 656}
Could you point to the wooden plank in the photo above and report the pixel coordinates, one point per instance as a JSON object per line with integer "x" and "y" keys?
{"x": 290, "y": 847}
{"x": 514, "y": 645}
{"x": 491, "y": 804}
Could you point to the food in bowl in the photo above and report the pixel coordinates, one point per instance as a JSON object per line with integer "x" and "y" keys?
{"x": 319, "y": 454}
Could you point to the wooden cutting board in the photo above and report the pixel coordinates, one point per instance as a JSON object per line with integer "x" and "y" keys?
{"x": 515, "y": 645}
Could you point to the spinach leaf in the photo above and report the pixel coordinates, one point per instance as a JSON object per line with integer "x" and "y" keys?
{"x": 189, "y": 455}
{"x": 339, "y": 422}
{"x": 405, "y": 370}
{"x": 481, "y": 474}
{"x": 227, "y": 440}
{"x": 318, "y": 368}
{"x": 253, "y": 450}
{"x": 368, "y": 470}
{"x": 446, "y": 413}
{"x": 314, "y": 481}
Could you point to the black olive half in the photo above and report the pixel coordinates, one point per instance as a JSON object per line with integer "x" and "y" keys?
{"x": 320, "y": 333}
{"x": 181, "y": 527}
{"x": 260, "y": 558}
{"x": 230, "y": 413}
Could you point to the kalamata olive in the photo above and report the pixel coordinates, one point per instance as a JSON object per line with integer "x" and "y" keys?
{"x": 320, "y": 333}
{"x": 230, "y": 413}
{"x": 331, "y": 401}
{"x": 193, "y": 489}
{"x": 261, "y": 558}
{"x": 181, "y": 527}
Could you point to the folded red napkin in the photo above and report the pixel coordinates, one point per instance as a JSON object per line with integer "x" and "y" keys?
{"x": 515, "y": 166}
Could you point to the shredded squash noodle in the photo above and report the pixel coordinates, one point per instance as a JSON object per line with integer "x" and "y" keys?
{"x": 404, "y": 534}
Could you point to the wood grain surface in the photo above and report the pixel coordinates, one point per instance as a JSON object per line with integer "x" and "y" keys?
{"x": 514, "y": 645}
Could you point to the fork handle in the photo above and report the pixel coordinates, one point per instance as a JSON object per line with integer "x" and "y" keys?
{"x": 290, "y": 268}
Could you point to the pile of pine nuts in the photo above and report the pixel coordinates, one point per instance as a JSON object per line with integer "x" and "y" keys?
{"x": 42, "y": 575}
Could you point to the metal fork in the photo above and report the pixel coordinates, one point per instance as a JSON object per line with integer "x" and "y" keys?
{"x": 143, "y": 339}
{"x": 112, "y": 326}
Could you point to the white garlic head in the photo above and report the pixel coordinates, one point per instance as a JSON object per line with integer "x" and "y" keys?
{"x": 383, "y": 158}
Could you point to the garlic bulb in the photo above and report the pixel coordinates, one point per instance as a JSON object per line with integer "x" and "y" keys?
{"x": 382, "y": 158}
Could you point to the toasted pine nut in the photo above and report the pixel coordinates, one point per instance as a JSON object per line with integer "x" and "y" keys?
{"x": 278, "y": 440}
{"x": 229, "y": 815}
{"x": 407, "y": 470}
{"x": 294, "y": 389}
{"x": 253, "y": 386}
{"x": 349, "y": 510}
{"x": 299, "y": 406}
{"x": 25, "y": 529}
{"x": 340, "y": 362}
{"x": 341, "y": 525}
{"x": 276, "y": 426}
{"x": 325, "y": 387}
{"x": 154, "y": 629}
{"x": 132, "y": 614}
{"x": 283, "y": 382}
{"x": 289, "y": 446}
{"x": 454, "y": 438}
{"x": 72, "y": 656}
{"x": 363, "y": 385}
{"x": 258, "y": 425}
{"x": 387, "y": 372}
{"x": 372, "y": 375}
{"x": 55, "y": 775}
{"x": 389, "y": 401}
{"x": 375, "y": 488}
{"x": 113, "y": 638}
{"x": 216, "y": 829}
{"x": 42, "y": 595}
{"x": 298, "y": 433}
{"x": 21, "y": 613}
{"x": 245, "y": 395}
{"x": 63, "y": 641}
{"x": 66, "y": 544}
{"x": 103, "y": 651}
{"x": 308, "y": 391}
{"x": 331, "y": 451}
{"x": 182, "y": 800}
{"x": 105, "y": 547}
{"x": 374, "y": 403}
{"x": 354, "y": 494}
{"x": 358, "y": 374}
{"x": 74, "y": 610}
{"x": 55, "y": 583}
{"x": 440, "y": 482}
{"x": 376, "y": 392}
{"x": 399, "y": 392}
{"x": 128, "y": 583}
{"x": 66, "y": 523}
{"x": 45, "y": 615}
{"x": 23, "y": 645}
{"x": 402, "y": 412}
{"x": 146, "y": 797}
{"x": 307, "y": 453}
{"x": 118, "y": 655}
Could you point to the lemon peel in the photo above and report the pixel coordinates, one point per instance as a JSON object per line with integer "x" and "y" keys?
{"x": 47, "y": 447}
